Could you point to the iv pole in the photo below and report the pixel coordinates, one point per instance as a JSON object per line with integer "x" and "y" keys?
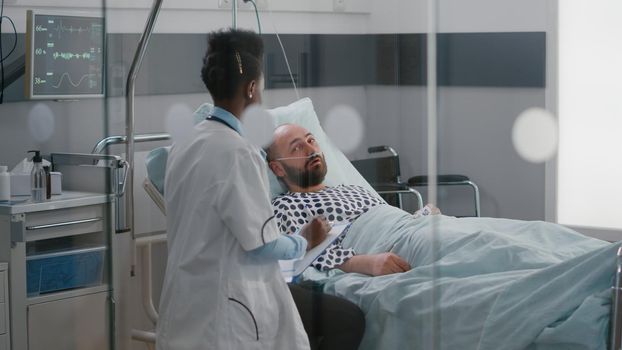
{"x": 129, "y": 95}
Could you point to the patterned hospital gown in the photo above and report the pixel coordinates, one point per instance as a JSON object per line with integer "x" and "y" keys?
{"x": 340, "y": 204}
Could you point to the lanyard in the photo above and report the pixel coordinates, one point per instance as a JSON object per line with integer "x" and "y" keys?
{"x": 219, "y": 120}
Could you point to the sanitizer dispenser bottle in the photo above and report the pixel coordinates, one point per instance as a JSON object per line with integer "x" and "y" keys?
{"x": 37, "y": 178}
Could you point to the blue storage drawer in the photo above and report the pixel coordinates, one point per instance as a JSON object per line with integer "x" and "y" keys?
{"x": 63, "y": 270}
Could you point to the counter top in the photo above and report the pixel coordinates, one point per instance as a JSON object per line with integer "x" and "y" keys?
{"x": 68, "y": 199}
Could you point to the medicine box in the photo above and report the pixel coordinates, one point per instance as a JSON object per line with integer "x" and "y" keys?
{"x": 56, "y": 271}
{"x": 20, "y": 184}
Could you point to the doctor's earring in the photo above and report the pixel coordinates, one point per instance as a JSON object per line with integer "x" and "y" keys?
{"x": 250, "y": 95}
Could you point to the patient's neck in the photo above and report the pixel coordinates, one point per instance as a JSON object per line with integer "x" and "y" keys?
{"x": 295, "y": 188}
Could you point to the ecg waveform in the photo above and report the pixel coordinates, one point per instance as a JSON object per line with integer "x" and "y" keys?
{"x": 71, "y": 29}
{"x": 60, "y": 81}
{"x": 60, "y": 28}
{"x": 69, "y": 55}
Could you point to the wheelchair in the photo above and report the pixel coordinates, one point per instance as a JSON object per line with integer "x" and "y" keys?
{"x": 383, "y": 173}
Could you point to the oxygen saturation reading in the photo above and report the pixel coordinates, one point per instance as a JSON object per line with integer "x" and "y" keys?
{"x": 66, "y": 57}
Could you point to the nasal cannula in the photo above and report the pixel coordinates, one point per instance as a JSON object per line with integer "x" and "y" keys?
{"x": 313, "y": 155}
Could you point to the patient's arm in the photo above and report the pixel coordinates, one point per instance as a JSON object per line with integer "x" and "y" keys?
{"x": 375, "y": 264}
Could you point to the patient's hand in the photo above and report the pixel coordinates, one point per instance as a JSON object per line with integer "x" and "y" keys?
{"x": 434, "y": 210}
{"x": 429, "y": 209}
{"x": 315, "y": 231}
{"x": 387, "y": 263}
{"x": 376, "y": 264}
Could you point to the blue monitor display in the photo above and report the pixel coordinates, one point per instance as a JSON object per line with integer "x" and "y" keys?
{"x": 65, "y": 56}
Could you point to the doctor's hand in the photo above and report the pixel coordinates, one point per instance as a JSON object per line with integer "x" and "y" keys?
{"x": 376, "y": 264}
{"x": 315, "y": 231}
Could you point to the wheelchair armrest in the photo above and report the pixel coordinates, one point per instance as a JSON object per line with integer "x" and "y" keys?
{"x": 398, "y": 188}
{"x": 449, "y": 180}
{"x": 390, "y": 186}
{"x": 382, "y": 148}
{"x": 422, "y": 180}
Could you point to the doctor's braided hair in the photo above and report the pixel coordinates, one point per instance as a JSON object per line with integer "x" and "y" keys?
{"x": 233, "y": 57}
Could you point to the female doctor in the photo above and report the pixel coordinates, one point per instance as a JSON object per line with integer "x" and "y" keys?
{"x": 223, "y": 288}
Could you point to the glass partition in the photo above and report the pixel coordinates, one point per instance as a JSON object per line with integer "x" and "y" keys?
{"x": 58, "y": 226}
{"x": 514, "y": 114}
{"x": 434, "y": 140}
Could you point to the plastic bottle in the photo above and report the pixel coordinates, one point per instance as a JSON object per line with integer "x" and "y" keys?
{"x": 37, "y": 178}
{"x": 5, "y": 184}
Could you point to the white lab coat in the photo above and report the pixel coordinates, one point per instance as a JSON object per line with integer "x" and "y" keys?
{"x": 215, "y": 294}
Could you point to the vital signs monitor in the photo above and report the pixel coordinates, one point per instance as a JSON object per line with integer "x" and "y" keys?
{"x": 64, "y": 56}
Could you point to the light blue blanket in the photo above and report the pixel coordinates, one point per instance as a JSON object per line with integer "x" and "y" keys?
{"x": 478, "y": 283}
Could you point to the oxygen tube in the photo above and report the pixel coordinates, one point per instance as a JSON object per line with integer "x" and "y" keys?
{"x": 311, "y": 156}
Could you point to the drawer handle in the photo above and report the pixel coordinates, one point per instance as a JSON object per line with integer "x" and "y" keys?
{"x": 61, "y": 224}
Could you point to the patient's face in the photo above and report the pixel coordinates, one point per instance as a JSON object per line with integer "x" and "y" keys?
{"x": 296, "y": 144}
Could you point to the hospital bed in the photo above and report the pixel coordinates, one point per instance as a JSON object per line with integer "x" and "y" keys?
{"x": 341, "y": 171}
{"x": 144, "y": 245}
{"x": 155, "y": 195}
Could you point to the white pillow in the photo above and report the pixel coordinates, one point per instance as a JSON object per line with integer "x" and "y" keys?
{"x": 157, "y": 158}
{"x": 340, "y": 170}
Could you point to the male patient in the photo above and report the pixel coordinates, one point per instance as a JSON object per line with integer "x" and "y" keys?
{"x": 296, "y": 159}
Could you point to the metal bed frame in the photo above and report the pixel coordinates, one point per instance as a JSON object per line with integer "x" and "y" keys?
{"x": 615, "y": 320}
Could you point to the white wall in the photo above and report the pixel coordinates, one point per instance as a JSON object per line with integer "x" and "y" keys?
{"x": 410, "y": 16}
{"x": 474, "y": 123}
{"x": 303, "y": 16}
{"x": 589, "y": 110}
{"x": 201, "y": 16}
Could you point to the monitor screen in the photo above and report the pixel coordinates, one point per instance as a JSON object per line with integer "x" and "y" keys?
{"x": 65, "y": 56}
